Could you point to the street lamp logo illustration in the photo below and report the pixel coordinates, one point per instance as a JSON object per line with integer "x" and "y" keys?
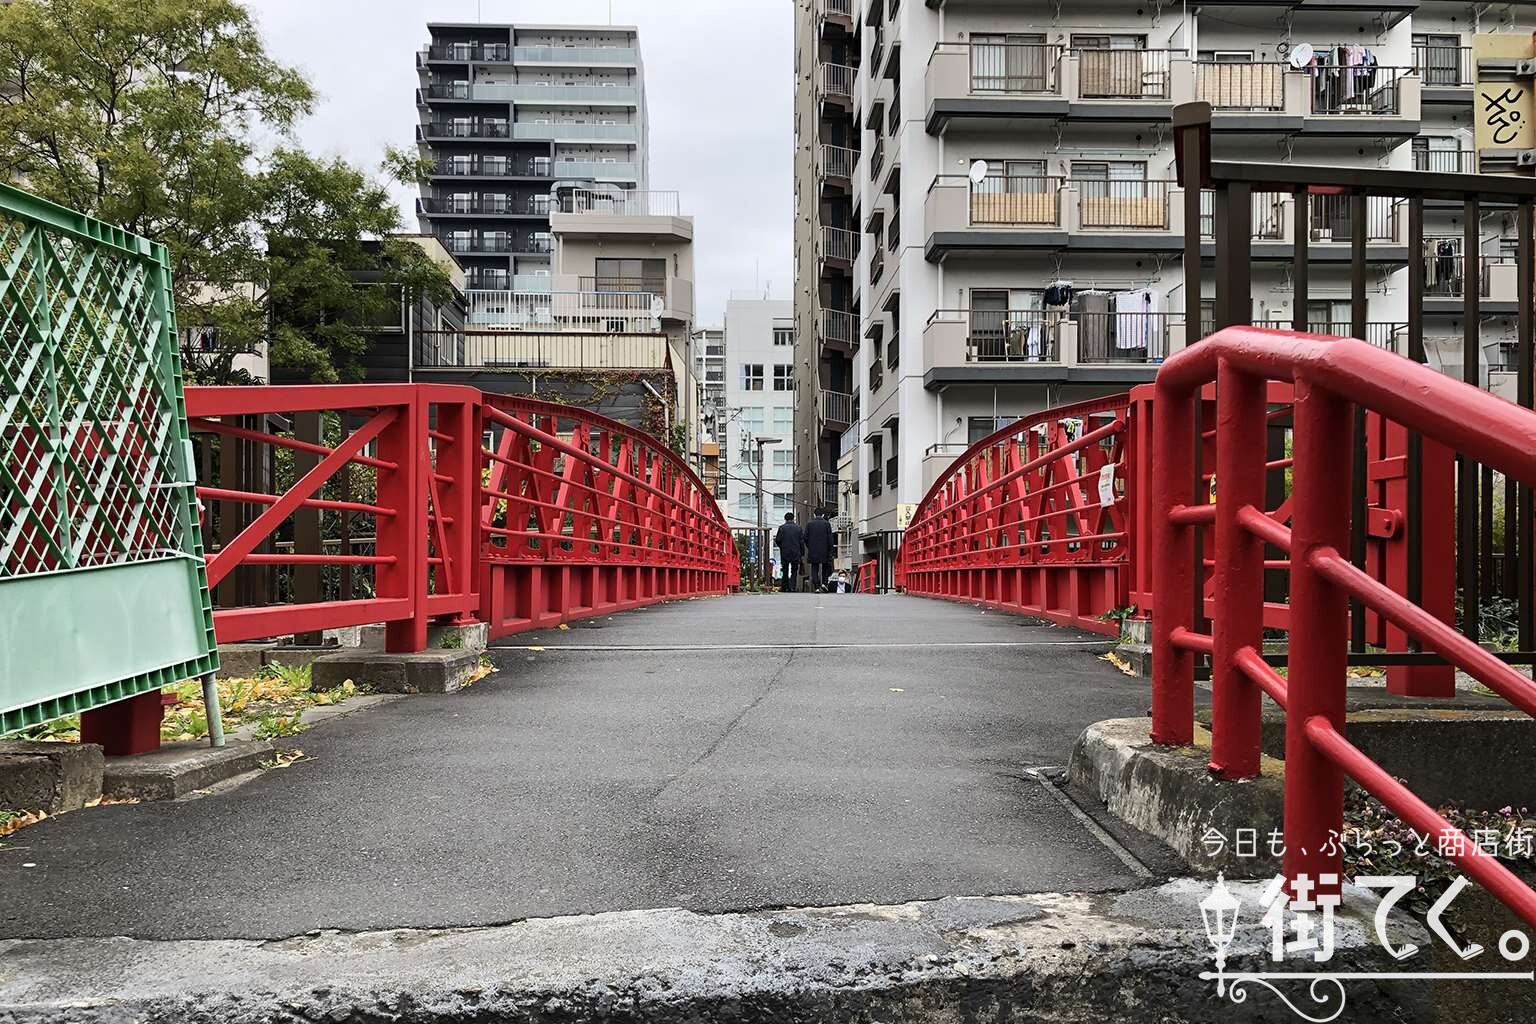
{"x": 1300, "y": 920}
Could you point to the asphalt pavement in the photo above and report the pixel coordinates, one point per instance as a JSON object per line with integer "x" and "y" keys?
{"x": 723, "y": 754}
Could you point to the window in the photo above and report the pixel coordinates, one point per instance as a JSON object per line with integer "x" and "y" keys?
{"x": 782, "y": 503}
{"x": 628, "y": 275}
{"x": 752, "y": 419}
{"x": 751, "y": 376}
{"x": 747, "y": 503}
{"x": 783, "y": 420}
{"x": 784, "y": 377}
{"x": 783, "y": 335}
{"x": 978, "y": 427}
{"x": 1013, "y": 177}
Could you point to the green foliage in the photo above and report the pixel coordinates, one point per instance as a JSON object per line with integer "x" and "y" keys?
{"x": 295, "y": 678}
{"x": 452, "y": 641}
{"x": 156, "y": 115}
{"x": 273, "y": 727}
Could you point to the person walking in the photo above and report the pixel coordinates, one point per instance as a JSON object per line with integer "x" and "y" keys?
{"x": 790, "y": 540}
{"x": 820, "y": 549}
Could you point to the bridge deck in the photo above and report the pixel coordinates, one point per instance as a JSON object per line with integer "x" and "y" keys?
{"x": 776, "y": 750}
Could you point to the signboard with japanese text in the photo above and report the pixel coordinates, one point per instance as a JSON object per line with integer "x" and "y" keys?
{"x": 1503, "y": 108}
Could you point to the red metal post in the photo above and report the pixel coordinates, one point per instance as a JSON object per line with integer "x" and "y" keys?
{"x": 1319, "y": 635}
{"x": 1236, "y": 700}
{"x": 404, "y": 534}
{"x": 1172, "y": 549}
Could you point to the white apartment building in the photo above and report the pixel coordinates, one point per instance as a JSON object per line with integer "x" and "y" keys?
{"x": 760, "y": 403}
{"x": 709, "y": 359}
{"x": 988, "y": 222}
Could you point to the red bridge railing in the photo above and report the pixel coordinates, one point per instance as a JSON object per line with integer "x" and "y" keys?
{"x": 389, "y": 507}
{"x": 1032, "y": 519}
{"x": 1330, "y": 377}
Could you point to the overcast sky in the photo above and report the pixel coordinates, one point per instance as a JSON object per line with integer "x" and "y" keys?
{"x": 719, "y": 75}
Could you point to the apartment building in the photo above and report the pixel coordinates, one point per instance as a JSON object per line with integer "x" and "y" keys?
{"x": 709, "y": 360}
{"x": 511, "y": 116}
{"x": 760, "y": 404}
{"x": 1016, "y": 229}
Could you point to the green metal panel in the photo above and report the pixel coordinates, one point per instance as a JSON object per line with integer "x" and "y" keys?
{"x": 103, "y": 592}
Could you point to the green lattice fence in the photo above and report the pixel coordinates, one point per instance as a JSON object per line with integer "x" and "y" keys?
{"x": 103, "y": 593}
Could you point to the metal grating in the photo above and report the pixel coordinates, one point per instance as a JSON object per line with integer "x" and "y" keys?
{"x": 95, "y": 467}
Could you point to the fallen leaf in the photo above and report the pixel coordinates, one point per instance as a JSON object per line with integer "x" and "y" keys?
{"x": 564, "y": 626}
{"x": 286, "y": 759}
{"x": 1119, "y": 663}
{"x": 897, "y": 689}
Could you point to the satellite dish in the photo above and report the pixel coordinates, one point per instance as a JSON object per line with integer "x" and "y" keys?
{"x": 979, "y": 171}
{"x": 656, "y": 307}
{"x": 1301, "y": 55}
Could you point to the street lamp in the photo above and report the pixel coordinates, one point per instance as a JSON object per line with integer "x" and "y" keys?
{"x": 1219, "y": 910}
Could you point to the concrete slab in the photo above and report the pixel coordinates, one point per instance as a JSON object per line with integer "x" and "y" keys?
{"x": 431, "y": 671}
{"x": 469, "y": 636}
{"x": 1041, "y": 958}
{"x": 49, "y": 777}
{"x": 243, "y": 661}
{"x": 1170, "y": 794}
{"x": 178, "y": 769}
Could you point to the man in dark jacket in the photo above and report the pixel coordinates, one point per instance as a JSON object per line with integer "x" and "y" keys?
{"x": 790, "y": 540}
{"x": 820, "y": 549}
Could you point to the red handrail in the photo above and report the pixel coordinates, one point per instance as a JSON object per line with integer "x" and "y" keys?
{"x": 1330, "y": 377}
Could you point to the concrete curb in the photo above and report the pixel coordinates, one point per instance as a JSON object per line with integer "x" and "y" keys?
{"x": 178, "y": 769}
{"x": 1039, "y": 958}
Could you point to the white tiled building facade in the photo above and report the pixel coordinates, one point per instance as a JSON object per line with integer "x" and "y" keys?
{"x": 987, "y": 221}
{"x": 760, "y": 403}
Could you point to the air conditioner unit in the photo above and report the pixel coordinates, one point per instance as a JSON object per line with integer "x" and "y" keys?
{"x": 1525, "y": 158}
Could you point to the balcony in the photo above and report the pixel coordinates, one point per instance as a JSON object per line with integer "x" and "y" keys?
{"x": 1445, "y": 161}
{"x": 499, "y": 244}
{"x": 538, "y": 167}
{"x": 597, "y": 170}
{"x": 993, "y": 346}
{"x": 839, "y": 247}
{"x": 835, "y": 12}
{"x": 483, "y": 130}
{"x": 622, "y": 203}
{"x": 463, "y": 53}
{"x": 586, "y": 95}
{"x": 1359, "y": 92}
{"x": 826, "y": 490}
{"x": 1010, "y": 214}
{"x": 1330, "y": 227}
{"x": 836, "y": 410}
{"x": 525, "y": 206}
{"x": 539, "y": 349}
{"x": 839, "y": 329}
{"x": 572, "y": 131}
{"x": 836, "y": 82}
{"x": 1446, "y": 73}
{"x": 837, "y": 164}
{"x": 1445, "y": 285}
{"x": 848, "y": 441}
{"x": 573, "y": 55}
{"x": 603, "y": 311}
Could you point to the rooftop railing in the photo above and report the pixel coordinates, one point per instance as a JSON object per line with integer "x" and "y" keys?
{"x": 557, "y": 349}
{"x": 612, "y": 311}
{"x": 629, "y": 203}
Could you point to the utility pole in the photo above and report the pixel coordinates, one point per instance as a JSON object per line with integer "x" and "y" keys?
{"x": 762, "y": 540}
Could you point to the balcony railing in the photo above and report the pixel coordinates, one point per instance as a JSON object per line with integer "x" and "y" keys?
{"x": 1005, "y": 336}
{"x": 572, "y": 131}
{"x": 464, "y": 130}
{"x": 1445, "y": 161}
{"x": 876, "y": 376}
{"x": 836, "y": 409}
{"x": 597, "y": 170}
{"x": 838, "y": 326}
{"x": 1445, "y": 269}
{"x": 1131, "y": 336}
{"x": 1004, "y": 69}
{"x": 527, "y": 283}
{"x": 614, "y": 312}
{"x": 573, "y": 55}
{"x": 1014, "y": 199}
{"x": 837, "y": 80}
{"x": 1271, "y": 213}
{"x": 839, "y": 244}
{"x": 826, "y": 490}
{"x": 842, "y": 8}
{"x": 1240, "y": 86}
{"x": 1124, "y": 74}
{"x": 484, "y": 204}
{"x": 538, "y": 167}
{"x": 591, "y": 350}
{"x": 623, "y": 285}
{"x": 1332, "y": 218}
{"x": 500, "y": 244}
{"x": 487, "y": 52}
{"x": 838, "y": 161}
{"x": 629, "y": 203}
{"x": 1122, "y": 204}
{"x": 592, "y": 95}
{"x": 448, "y": 90}
{"x": 848, "y": 441}
{"x": 1357, "y": 91}
{"x": 1383, "y": 334}
{"x": 1443, "y": 66}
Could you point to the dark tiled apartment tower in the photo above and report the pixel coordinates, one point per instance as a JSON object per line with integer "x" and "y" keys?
{"x": 511, "y": 114}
